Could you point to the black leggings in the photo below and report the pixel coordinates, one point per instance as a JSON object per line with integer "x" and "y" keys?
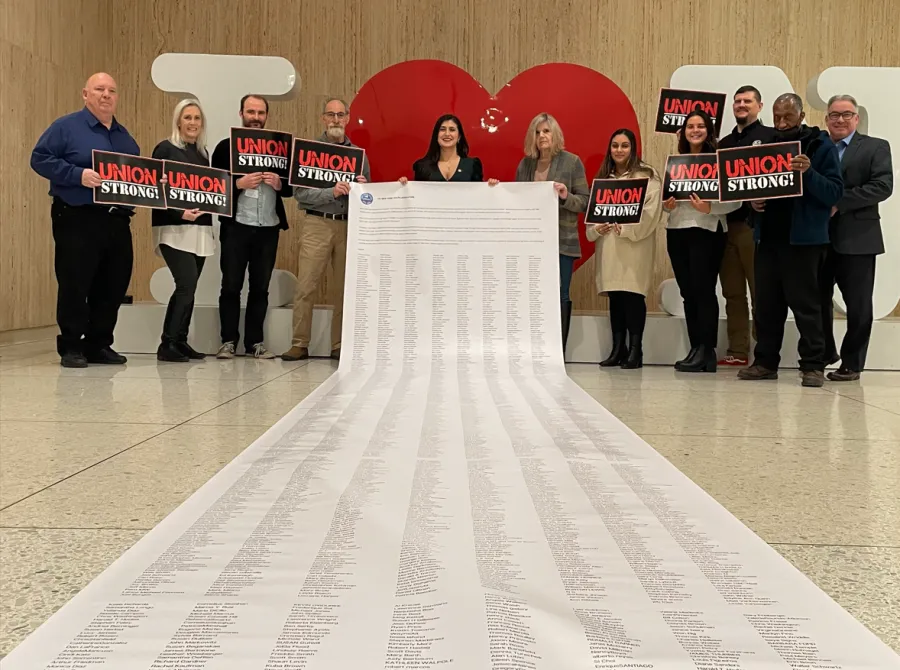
{"x": 185, "y": 268}
{"x": 628, "y": 312}
{"x": 696, "y": 255}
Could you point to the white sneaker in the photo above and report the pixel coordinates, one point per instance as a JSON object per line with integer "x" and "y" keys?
{"x": 259, "y": 351}
{"x": 226, "y": 351}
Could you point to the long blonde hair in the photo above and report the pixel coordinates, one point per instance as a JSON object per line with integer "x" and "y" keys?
{"x": 176, "y": 137}
{"x": 557, "y": 143}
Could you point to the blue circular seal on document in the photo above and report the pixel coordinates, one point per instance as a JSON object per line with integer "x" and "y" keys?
{"x": 366, "y": 198}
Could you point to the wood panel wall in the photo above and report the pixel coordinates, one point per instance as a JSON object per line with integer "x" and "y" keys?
{"x": 48, "y": 48}
{"x": 336, "y": 47}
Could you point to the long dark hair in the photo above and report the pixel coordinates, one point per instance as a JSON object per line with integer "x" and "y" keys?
{"x": 608, "y": 166}
{"x": 434, "y": 149}
{"x": 710, "y": 144}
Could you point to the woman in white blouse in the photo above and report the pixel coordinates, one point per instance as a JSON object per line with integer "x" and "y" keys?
{"x": 184, "y": 238}
{"x": 695, "y": 237}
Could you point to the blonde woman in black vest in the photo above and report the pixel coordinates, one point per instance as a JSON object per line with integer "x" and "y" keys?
{"x": 184, "y": 238}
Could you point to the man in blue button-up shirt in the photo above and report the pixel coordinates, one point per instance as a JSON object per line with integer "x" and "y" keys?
{"x": 94, "y": 255}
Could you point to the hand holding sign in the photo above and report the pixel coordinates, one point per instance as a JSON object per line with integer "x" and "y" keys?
{"x": 191, "y": 214}
{"x": 669, "y": 204}
{"x": 90, "y": 179}
{"x": 700, "y": 205}
{"x": 561, "y": 191}
{"x": 250, "y": 181}
{"x": 272, "y": 180}
{"x": 341, "y": 188}
{"x": 800, "y": 163}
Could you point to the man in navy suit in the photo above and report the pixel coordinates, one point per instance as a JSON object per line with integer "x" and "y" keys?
{"x": 855, "y": 231}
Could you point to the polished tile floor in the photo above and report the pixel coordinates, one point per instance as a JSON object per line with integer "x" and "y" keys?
{"x": 90, "y": 460}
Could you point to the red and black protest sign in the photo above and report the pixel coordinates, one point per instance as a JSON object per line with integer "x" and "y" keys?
{"x": 323, "y": 164}
{"x": 616, "y": 201}
{"x": 259, "y": 150}
{"x": 675, "y": 105}
{"x": 128, "y": 180}
{"x": 759, "y": 172}
{"x": 688, "y": 174}
{"x": 190, "y": 186}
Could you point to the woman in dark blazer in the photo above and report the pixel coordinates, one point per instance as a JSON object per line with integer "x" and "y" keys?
{"x": 184, "y": 238}
{"x": 547, "y": 160}
{"x": 448, "y": 156}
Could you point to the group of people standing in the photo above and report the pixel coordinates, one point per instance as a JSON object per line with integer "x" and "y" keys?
{"x": 790, "y": 252}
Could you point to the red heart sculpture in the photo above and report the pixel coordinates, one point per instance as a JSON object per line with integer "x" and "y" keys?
{"x": 394, "y": 112}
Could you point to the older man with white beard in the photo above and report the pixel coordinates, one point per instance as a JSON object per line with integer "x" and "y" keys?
{"x": 323, "y": 237}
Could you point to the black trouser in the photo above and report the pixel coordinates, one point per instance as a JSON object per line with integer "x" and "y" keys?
{"x": 185, "y": 268}
{"x": 789, "y": 275}
{"x": 243, "y": 247}
{"x": 855, "y": 276}
{"x": 628, "y": 312}
{"x": 93, "y": 259}
{"x": 696, "y": 256}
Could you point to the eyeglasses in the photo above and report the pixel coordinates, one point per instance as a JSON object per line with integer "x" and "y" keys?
{"x": 331, "y": 116}
{"x": 846, "y": 116}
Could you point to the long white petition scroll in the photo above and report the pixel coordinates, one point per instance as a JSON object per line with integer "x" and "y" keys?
{"x": 450, "y": 498}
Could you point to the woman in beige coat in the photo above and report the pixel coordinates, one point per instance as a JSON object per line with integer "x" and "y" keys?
{"x": 624, "y": 254}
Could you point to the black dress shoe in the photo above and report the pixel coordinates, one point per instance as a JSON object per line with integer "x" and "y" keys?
{"x": 73, "y": 359}
{"x": 105, "y": 356}
{"x": 169, "y": 352}
{"x": 336, "y": 354}
{"x": 189, "y": 351}
{"x": 703, "y": 360}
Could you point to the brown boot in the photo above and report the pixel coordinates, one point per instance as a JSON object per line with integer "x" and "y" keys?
{"x": 843, "y": 375}
{"x": 295, "y": 354}
{"x": 813, "y": 378}
{"x": 757, "y": 372}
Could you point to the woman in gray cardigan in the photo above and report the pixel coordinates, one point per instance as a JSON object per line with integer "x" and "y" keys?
{"x": 546, "y": 160}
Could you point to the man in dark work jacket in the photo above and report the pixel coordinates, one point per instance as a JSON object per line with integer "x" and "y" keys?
{"x": 792, "y": 243}
{"x": 249, "y": 242}
{"x": 93, "y": 251}
{"x": 855, "y": 234}
{"x": 736, "y": 273}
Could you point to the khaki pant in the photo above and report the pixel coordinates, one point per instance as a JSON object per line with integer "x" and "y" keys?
{"x": 321, "y": 240}
{"x": 736, "y": 274}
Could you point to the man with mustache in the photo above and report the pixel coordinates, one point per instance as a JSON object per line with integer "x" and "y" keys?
{"x": 855, "y": 234}
{"x": 323, "y": 237}
{"x": 792, "y": 243}
{"x": 736, "y": 273}
{"x": 93, "y": 251}
{"x": 249, "y": 242}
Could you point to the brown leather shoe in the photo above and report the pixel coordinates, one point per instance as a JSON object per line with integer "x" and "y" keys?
{"x": 843, "y": 375}
{"x": 295, "y": 354}
{"x": 812, "y": 378}
{"x": 757, "y": 372}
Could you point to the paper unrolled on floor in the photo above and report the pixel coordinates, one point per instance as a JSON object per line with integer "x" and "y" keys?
{"x": 451, "y": 499}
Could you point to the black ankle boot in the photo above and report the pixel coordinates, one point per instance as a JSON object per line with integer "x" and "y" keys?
{"x": 619, "y": 352}
{"x": 566, "y": 312}
{"x": 692, "y": 354}
{"x": 635, "y": 357}
{"x": 168, "y": 352}
{"x": 189, "y": 351}
{"x": 704, "y": 360}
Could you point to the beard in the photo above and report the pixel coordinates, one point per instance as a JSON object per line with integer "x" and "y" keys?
{"x": 335, "y": 133}
{"x": 253, "y": 123}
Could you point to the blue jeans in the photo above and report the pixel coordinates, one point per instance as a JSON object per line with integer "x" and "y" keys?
{"x": 566, "y": 268}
